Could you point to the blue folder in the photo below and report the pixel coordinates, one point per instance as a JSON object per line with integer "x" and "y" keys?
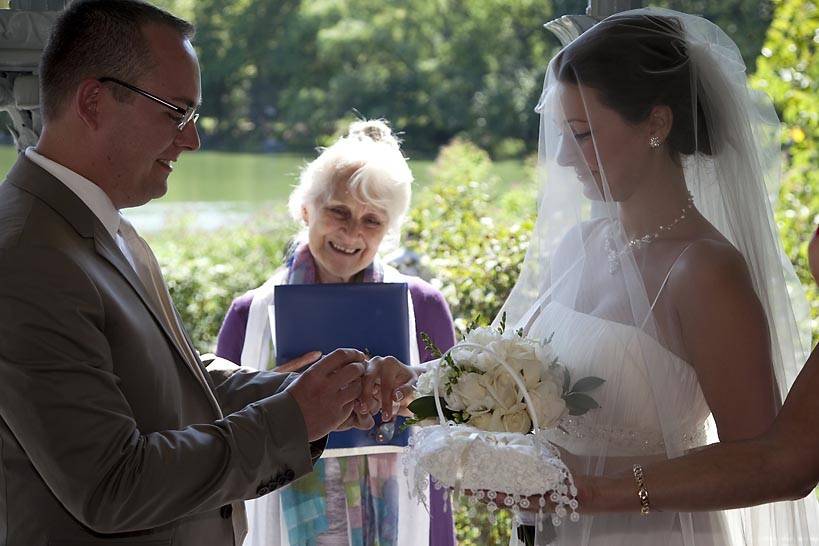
{"x": 370, "y": 317}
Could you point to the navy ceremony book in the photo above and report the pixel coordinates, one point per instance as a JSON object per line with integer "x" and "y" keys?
{"x": 370, "y": 317}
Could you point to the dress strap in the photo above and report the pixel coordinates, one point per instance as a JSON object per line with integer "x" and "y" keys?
{"x": 665, "y": 282}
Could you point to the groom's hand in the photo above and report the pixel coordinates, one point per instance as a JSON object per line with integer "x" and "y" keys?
{"x": 327, "y": 391}
{"x": 386, "y": 384}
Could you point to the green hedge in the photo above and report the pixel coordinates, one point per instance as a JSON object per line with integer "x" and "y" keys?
{"x": 206, "y": 270}
{"x": 788, "y": 71}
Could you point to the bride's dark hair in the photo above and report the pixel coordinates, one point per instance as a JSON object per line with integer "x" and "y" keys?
{"x": 636, "y": 62}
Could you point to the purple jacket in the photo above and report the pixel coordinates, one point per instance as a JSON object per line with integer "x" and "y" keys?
{"x": 432, "y": 317}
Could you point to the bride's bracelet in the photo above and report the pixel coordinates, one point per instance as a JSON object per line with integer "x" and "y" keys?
{"x": 642, "y": 492}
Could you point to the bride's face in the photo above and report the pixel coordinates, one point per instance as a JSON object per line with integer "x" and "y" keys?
{"x": 605, "y": 150}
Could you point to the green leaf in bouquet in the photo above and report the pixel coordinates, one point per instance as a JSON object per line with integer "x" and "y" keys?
{"x": 519, "y": 332}
{"x": 579, "y": 403}
{"x": 587, "y": 384}
{"x": 408, "y": 422}
{"x": 502, "y": 325}
{"x": 424, "y": 408}
{"x": 472, "y": 325}
{"x": 430, "y": 345}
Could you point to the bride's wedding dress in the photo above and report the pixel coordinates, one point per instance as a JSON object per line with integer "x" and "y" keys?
{"x": 626, "y": 426}
{"x": 599, "y": 289}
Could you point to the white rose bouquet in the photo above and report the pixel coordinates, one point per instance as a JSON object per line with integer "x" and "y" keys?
{"x": 477, "y": 390}
{"x": 481, "y": 407}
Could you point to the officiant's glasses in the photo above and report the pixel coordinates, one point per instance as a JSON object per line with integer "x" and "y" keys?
{"x": 188, "y": 114}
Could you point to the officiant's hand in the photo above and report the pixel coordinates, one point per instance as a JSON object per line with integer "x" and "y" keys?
{"x": 327, "y": 391}
{"x": 387, "y": 384}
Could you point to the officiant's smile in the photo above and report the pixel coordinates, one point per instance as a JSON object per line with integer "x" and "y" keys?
{"x": 345, "y": 231}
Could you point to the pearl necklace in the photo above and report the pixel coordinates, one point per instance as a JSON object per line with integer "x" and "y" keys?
{"x": 637, "y": 243}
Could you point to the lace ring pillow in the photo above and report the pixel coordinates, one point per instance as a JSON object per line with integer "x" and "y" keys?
{"x": 482, "y": 408}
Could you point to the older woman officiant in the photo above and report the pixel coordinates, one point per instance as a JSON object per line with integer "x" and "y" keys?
{"x": 352, "y": 200}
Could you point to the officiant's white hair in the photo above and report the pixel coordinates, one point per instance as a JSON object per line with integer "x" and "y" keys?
{"x": 369, "y": 158}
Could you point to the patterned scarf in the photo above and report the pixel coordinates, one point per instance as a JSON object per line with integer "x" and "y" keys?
{"x": 369, "y": 481}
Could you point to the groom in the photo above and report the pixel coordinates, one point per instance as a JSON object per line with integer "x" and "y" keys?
{"x": 111, "y": 429}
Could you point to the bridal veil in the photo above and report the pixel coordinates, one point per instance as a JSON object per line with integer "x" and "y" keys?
{"x": 584, "y": 281}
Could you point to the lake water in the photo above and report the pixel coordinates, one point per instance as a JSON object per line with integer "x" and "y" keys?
{"x": 224, "y": 188}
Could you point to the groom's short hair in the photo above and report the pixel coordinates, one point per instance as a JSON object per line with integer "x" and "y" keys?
{"x": 96, "y": 39}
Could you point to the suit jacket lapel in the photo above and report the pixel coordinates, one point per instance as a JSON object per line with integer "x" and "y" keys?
{"x": 29, "y": 177}
{"x": 108, "y": 249}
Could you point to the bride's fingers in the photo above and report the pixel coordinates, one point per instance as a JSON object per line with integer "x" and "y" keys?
{"x": 403, "y": 396}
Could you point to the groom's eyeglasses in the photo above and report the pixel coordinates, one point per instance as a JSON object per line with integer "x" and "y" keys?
{"x": 188, "y": 114}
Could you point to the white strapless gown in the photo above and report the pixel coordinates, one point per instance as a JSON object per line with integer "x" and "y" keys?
{"x": 643, "y": 379}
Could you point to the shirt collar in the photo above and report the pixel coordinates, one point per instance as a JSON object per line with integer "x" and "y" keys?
{"x": 89, "y": 193}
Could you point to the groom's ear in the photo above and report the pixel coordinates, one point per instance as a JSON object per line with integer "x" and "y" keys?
{"x": 660, "y": 120}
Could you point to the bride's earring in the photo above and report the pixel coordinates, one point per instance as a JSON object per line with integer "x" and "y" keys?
{"x": 654, "y": 142}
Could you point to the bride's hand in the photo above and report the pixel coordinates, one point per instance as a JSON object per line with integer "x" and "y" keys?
{"x": 387, "y": 385}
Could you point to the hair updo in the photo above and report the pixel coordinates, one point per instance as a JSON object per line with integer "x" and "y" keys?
{"x": 636, "y": 62}
{"x": 369, "y": 160}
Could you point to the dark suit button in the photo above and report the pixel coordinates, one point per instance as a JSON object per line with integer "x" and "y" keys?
{"x": 226, "y": 511}
{"x": 289, "y": 474}
{"x": 263, "y": 489}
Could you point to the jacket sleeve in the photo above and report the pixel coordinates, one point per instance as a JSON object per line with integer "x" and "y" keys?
{"x": 63, "y": 402}
{"x": 237, "y": 386}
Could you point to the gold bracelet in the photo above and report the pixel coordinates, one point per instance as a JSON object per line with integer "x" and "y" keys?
{"x": 642, "y": 492}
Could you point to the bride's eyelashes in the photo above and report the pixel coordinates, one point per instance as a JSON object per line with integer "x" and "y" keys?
{"x": 581, "y": 136}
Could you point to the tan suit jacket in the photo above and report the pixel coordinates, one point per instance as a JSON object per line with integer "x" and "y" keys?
{"x": 108, "y": 434}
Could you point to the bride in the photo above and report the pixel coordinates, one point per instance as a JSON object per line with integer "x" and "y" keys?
{"x": 655, "y": 264}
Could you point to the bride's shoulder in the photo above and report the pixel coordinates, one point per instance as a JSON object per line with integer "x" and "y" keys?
{"x": 710, "y": 265}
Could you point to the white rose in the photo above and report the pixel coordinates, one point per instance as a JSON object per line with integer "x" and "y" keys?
{"x": 472, "y": 393}
{"x": 482, "y": 336}
{"x": 453, "y": 400}
{"x": 490, "y": 420}
{"x": 522, "y": 355}
{"x": 517, "y": 422}
{"x": 549, "y": 404}
{"x": 484, "y": 362}
{"x": 425, "y": 382}
{"x": 501, "y": 387}
{"x": 532, "y": 371}
{"x": 461, "y": 355}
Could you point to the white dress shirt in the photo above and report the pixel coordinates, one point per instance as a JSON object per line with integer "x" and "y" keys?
{"x": 89, "y": 193}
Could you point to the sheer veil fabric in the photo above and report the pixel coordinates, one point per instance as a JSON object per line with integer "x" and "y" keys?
{"x": 604, "y": 299}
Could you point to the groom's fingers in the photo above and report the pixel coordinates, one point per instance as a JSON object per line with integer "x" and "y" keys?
{"x": 337, "y": 360}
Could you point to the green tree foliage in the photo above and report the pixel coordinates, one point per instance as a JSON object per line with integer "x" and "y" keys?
{"x": 281, "y": 73}
{"x": 788, "y": 71}
{"x": 745, "y": 21}
{"x": 285, "y": 71}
